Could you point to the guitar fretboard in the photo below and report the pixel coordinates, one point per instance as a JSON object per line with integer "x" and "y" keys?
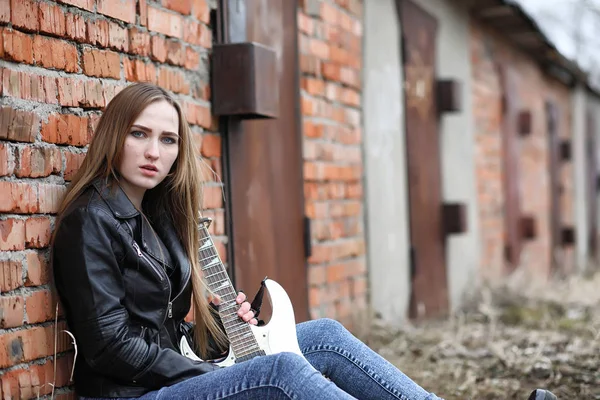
{"x": 241, "y": 338}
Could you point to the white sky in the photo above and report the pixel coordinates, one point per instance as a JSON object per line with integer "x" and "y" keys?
{"x": 561, "y": 19}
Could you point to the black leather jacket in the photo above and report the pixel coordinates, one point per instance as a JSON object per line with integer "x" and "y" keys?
{"x": 126, "y": 315}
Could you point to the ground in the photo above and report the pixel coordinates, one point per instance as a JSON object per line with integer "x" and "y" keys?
{"x": 504, "y": 342}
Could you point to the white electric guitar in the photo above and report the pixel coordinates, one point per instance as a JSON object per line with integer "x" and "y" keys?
{"x": 245, "y": 341}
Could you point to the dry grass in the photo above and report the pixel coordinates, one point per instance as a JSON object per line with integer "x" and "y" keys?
{"x": 506, "y": 341}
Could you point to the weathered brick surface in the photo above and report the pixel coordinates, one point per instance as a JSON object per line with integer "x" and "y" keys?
{"x": 61, "y": 62}
{"x": 330, "y": 37}
{"x": 534, "y": 88}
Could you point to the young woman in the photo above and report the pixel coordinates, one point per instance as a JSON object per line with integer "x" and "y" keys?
{"x": 125, "y": 268}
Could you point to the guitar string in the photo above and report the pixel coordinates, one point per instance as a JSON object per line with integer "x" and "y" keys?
{"x": 237, "y": 329}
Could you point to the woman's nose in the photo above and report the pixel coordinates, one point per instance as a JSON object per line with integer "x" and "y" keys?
{"x": 152, "y": 149}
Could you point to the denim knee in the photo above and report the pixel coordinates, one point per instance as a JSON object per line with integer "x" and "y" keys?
{"x": 328, "y": 326}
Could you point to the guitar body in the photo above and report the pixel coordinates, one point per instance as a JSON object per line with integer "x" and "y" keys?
{"x": 278, "y": 336}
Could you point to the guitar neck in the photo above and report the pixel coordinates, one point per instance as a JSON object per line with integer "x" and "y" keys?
{"x": 241, "y": 338}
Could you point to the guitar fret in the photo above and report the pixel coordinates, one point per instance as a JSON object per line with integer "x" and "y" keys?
{"x": 239, "y": 333}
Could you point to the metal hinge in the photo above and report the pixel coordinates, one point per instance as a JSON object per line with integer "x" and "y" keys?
{"x": 307, "y": 238}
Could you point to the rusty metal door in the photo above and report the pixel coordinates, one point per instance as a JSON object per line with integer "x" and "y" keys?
{"x": 264, "y": 161}
{"x": 592, "y": 184}
{"x": 429, "y": 293}
{"x": 554, "y": 161}
{"x": 510, "y": 155}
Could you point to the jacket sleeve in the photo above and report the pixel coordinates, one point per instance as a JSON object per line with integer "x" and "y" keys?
{"x": 89, "y": 281}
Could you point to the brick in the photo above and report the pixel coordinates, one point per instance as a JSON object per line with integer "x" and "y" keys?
{"x": 55, "y": 53}
{"x": 70, "y": 91}
{"x": 24, "y": 14}
{"x": 319, "y": 49}
{"x": 30, "y": 344}
{"x": 5, "y": 11}
{"x": 37, "y": 232}
{"x": 50, "y": 197}
{"x": 173, "y": 80}
{"x": 18, "y": 197}
{"x": 101, "y": 63}
{"x": 180, "y": 6}
{"x": 6, "y": 159}
{"x": 11, "y": 275}
{"x": 11, "y": 311}
{"x": 118, "y": 38}
{"x": 75, "y": 27}
{"x": 93, "y": 94}
{"x": 139, "y": 71}
{"x": 192, "y": 61}
{"x": 201, "y": 10}
{"x": 97, "y": 32}
{"x": 17, "y": 46}
{"x": 32, "y": 382}
{"x": 143, "y": 11}
{"x": 159, "y": 49}
{"x": 198, "y": 115}
{"x": 84, "y": 4}
{"x": 175, "y": 52}
{"x": 165, "y": 22}
{"x": 38, "y": 271}
{"x": 66, "y": 129}
{"x": 17, "y": 125}
{"x": 39, "y": 307}
{"x": 73, "y": 162}
{"x": 119, "y": 9}
{"x": 212, "y": 197}
{"x": 139, "y": 42}
{"x": 52, "y": 19}
{"x": 12, "y": 234}
{"x": 211, "y": 146}
{"x": 38, "y": 161}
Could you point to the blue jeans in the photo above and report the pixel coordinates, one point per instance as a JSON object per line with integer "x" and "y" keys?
{"x": 353, "y": 369}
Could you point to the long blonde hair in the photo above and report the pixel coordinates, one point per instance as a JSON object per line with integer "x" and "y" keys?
{"x": 179, "y": 195}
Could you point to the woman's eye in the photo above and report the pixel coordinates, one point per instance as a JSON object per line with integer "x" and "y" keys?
{"x": 138, "y": 134}
{"x": 169, "y": 140}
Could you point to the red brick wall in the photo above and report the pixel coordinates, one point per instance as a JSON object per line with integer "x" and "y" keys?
{"x": 60, "y": 63}
{"x": 487, "y": 48}
{"x": 330, "y": 42}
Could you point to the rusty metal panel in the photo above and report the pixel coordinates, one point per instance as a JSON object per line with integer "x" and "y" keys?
{"x": 591, "y": 184}
{"x": 429, "y": 295}
{"x": 510, "y": 155}
{"x": 242, "y": 80}
{"x": 555, "y": 157}
{"x": 264, "y": 161}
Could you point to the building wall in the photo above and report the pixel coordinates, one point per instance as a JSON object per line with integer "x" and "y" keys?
{"x": 385, "y": 163}
{"x": 60, "y": 64}
{"x": 330, "y": 42}
{"x": 457, "y": 144}
{"x": 534, "y": 88}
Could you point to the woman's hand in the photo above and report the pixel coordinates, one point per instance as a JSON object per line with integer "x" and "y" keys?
{"x": 244, "y": 311}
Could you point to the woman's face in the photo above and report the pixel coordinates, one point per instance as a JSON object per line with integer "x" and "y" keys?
{"x": 151, "y": 147}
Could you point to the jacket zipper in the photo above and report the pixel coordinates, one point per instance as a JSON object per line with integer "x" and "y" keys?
{"x": 141, "y": 255}
{"x": 159, "y": 272}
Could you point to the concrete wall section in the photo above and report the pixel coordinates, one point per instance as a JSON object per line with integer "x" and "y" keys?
{"x": 385, "y": 162}
{"x": 579, "y": 176}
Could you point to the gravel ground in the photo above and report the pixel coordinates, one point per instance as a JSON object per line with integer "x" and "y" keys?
{"x": 504, "y": 343}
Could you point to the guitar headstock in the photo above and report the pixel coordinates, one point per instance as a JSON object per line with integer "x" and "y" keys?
{"x": 204, "y": 222}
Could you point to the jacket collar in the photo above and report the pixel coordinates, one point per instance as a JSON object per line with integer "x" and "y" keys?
{"x": 123, "y": 208}
{"x": 115, "y": 198}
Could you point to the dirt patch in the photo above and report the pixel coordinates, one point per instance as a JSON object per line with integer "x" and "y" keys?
{"x": 505, "y": 342}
